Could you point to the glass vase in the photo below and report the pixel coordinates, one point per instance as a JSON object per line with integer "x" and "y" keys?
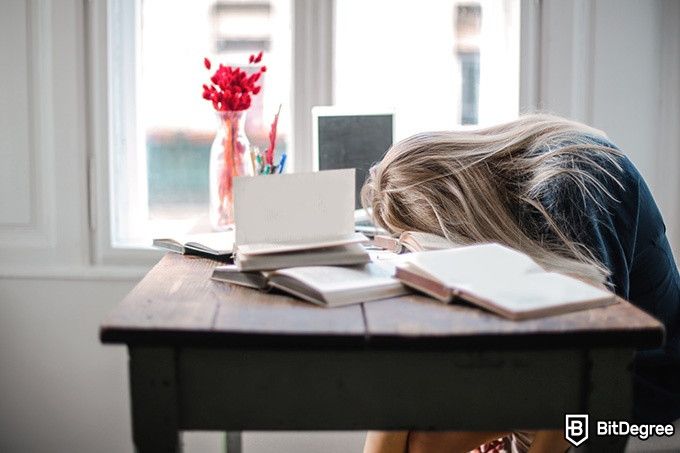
{"x": 229, "y": 157}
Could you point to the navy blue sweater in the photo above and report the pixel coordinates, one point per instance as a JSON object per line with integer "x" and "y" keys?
{"x": 628, "y": 235}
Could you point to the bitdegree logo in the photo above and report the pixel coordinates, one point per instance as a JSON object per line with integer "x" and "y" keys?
{"x": 623, "y": 428}
{"x": 576, "y": 429}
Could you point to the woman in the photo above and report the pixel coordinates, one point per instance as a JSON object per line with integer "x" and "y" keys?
{"x": 564, "y": 194}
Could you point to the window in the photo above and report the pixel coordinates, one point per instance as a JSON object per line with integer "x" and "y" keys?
{"x": 468, "y": 19}
{"x": 162, "y": 129}
{"x": 438, "y": 64}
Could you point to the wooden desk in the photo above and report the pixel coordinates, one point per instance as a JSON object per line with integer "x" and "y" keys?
{"x": 205, "y": 355}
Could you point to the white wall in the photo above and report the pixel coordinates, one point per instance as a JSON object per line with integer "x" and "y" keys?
{"x": 60, "y": 390}
{"x": 615, "y": 64}
{"x": 625, "y": 78}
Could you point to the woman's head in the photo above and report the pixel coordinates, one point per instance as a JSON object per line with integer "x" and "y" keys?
{"x": 486, "y": 186}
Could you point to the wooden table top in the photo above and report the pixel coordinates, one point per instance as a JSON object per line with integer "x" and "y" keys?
{"x": 178, "y": 304}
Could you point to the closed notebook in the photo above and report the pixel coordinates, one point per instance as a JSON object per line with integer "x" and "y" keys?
{"x": 330, "y": 286}
{"x": 499, "y": 279}
{"x": 218, "y": 245}
{"x": 338, "y": 255}
{"x": 299, "y": 219}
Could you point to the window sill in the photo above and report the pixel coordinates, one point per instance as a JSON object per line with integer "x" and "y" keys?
{"x": 74, "y": 272}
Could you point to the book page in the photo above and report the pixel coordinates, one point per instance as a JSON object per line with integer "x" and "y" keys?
{"x": 298, "y": 207}
{"x": 491, "y": 264}
{"x": 538, "y": 292}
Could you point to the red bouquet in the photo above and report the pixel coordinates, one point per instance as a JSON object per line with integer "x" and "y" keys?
{"x": 231, "y": 91}
{"x": 231, "y": 88}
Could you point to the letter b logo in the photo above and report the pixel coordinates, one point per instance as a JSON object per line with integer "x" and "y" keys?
{"x": 576, "y": 428}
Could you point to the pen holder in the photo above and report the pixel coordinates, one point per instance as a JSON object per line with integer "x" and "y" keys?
{"x": 229, "y": 157}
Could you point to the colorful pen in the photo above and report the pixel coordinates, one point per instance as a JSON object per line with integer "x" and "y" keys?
{"x": 282, "y": 163}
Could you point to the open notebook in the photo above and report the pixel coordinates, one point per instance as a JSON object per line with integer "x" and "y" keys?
{"x": 298, "y": 219}
{"x": 218, "y": 245}
{"x": 324, "y": 285}
{"x": 499, "y": 279}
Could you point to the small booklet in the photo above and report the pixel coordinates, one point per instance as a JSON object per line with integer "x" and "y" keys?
{"x": 298, "y": 219}
{"x": 412, "y": 241}
{"x": 218, "y": 245}
{"x": 499, "y": 279}
{"x": 324, "y": 285}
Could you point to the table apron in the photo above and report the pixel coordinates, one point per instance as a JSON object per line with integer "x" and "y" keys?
{"x": 354, "y": 390}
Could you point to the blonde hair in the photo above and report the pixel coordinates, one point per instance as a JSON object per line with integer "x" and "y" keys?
{"x": 473, "y": 186}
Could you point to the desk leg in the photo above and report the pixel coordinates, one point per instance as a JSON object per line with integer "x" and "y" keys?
{"x": 153, "y": 392}
{"x": 234, "y": 442}
{"x": 609, "y": 396}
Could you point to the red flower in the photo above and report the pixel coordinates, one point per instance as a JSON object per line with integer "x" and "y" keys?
{"x": 232, "y": 88}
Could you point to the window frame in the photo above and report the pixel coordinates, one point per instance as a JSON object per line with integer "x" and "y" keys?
{"x": 311, "y": 56}
{"x": 312, "y": 84}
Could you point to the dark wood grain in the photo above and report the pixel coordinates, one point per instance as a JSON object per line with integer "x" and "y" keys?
{"x": 177, "y": 302}
{"x": 425, "y": 320}
{"x": 246, "y": 310}
{"x": 176, "y": 294}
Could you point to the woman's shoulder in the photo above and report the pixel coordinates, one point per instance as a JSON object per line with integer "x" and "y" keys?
{"x": 612, "y": 194}
{"x": 599, "y": 174}
{"x": 622, "y": 178}
{"x": 619, "y": 161}
{"x": 587, "y": 172}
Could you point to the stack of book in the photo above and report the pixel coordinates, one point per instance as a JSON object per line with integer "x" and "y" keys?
{"x": 302, "y": 240}
{"x": 295, "y": 233}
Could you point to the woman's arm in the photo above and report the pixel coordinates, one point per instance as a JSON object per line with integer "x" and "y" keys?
{"x": 427, "y": 441}
{"x": 386, "y": 442}
{"x": 549, "y": 442}
{"x": 450, "y": 441}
